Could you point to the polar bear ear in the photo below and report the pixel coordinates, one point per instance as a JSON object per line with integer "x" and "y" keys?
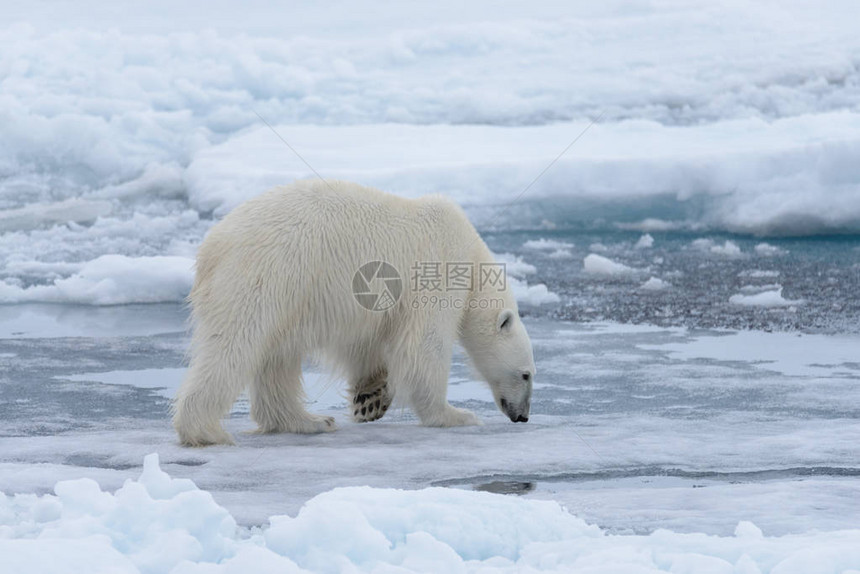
{"x": 506, "y": 319}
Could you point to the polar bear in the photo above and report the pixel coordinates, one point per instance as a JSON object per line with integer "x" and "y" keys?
{"x": 331, "y": 270}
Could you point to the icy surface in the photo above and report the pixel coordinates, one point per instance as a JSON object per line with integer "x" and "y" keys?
{"x": 632, "y": 428}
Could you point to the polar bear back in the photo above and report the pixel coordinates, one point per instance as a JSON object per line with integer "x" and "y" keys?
{"x": 295, "y": 250}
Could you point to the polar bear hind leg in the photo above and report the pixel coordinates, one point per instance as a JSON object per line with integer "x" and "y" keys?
{"x": 277, "y": 397}
{"x": 214, "y": 380}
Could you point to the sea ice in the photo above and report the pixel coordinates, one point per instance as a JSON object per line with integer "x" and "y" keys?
{"x": 157, "y": 524}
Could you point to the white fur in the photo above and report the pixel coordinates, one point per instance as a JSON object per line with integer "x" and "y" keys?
{"x": 274, "y": 285}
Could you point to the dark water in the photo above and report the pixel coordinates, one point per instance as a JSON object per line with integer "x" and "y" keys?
{"x": 823, "y": 272}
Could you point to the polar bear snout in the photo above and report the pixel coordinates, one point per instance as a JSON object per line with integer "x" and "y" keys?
{"x": 517, "y": 414}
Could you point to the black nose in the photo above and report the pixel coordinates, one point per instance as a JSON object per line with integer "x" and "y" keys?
{"x": 521, "y": 419}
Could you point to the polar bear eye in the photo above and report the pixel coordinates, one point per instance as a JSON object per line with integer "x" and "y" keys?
{"x": 506, "y": 318}
{"x": 527, "y": 377}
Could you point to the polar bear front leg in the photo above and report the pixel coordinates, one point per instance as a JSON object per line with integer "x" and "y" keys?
{"x": 370, "y": 396}
{"x": 424, "y": 381}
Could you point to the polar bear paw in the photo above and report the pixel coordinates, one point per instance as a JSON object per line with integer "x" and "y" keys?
{"x": 316, "y": 424}
{"x": 367, "y": 407}
{"x": 451, "y": 417}
{"x": 307, "y": 424}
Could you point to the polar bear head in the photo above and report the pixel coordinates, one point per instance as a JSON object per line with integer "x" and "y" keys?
{"x": 501, "y": 350}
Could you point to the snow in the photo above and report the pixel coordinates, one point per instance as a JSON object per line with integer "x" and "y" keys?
{"x": 161, "y": 524}
{"x": 772, "y": 298}
{"x": 645, "y": 242}
{"x": 599, "y": 265}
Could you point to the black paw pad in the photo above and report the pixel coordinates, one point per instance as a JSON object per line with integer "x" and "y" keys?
{"x": 371, "y": 406}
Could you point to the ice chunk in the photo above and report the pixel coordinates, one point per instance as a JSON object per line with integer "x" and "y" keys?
{"x": 655, "y": 284}
{"x": 759, "y": 274}
{"x": 702, "y": 244}
{"x": 535, "y": 295}
{"x": 546, "y": 244}
{"x": 765, "y": 299}
{"x": 561, "y": 254}
{"x": 727, "y": 249}
{"x": 769, "y": 250}
{"x": 753, "y": 289}
{"x": 600, "y": 265}
{"x": 645, "y": 242}
{"x": 514, "y": 265}
{"x": 516, "y": 270}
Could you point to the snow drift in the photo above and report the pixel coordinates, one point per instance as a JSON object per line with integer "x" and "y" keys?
{"x": 158, "y": 524}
